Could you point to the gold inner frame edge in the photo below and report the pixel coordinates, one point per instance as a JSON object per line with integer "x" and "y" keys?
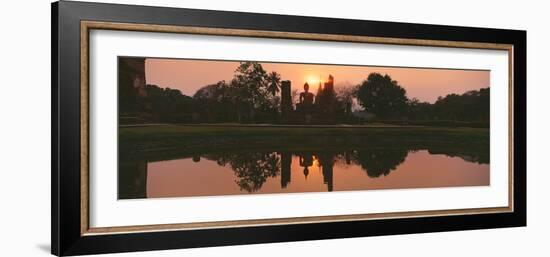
{"x": 86, "y": 26}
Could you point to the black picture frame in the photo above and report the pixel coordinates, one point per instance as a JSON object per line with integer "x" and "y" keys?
{"x": 66, "y": 234}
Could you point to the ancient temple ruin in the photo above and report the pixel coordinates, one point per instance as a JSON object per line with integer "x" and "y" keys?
{"x": 321, "y": 108}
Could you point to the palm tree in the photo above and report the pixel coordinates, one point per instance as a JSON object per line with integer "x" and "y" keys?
{"x": 274, "y": 82}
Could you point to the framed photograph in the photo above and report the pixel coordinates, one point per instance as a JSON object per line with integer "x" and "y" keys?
{"x": 177, "y": 128}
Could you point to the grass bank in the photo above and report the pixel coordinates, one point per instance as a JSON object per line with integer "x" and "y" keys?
{"x": 190, "y": 138}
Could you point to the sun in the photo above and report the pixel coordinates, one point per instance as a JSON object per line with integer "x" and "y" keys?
{"x": 313, "y": 80}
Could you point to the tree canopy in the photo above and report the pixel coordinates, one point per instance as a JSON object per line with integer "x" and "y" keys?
{"x": 381, "y": 95}
{"x": 253, "y": 96}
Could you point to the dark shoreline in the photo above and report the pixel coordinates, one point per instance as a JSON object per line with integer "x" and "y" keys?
{"x": 177, "y": 140}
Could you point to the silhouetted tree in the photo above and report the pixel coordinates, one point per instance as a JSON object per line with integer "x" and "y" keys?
{"x": 251, "y": 96}
{"x": 471, "y": 106}
{"x": 250, "y": 78}
{"x": 251, "y": 85}
{"x": 274, "y": 83}
{"x": 417, "y": 110}
{"x": 214, "y": 102}
{"x": 346, "y": 93}
{"x": 165, "y": 104}
{"x": 382, "y": 96}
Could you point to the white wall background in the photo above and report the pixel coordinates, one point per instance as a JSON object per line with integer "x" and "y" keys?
{"x": 25, "y": 127}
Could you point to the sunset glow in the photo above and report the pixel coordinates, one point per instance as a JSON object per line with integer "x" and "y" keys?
{"x": 313, "y": 80}
{"x": 231, "y": 127}
{"x": 168, "y": 179}
{"x": 422, "y": 83}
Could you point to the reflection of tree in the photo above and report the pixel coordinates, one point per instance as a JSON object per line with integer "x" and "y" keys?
{"x": 473, "y": 157}
{"x": 252, "y": 169}
{"x": 379, "y": 161}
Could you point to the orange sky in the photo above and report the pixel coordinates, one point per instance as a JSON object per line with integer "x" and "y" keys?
{"x": 424, "y": 84}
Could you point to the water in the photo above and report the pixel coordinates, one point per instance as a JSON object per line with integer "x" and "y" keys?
{"x": 261, "y": 172}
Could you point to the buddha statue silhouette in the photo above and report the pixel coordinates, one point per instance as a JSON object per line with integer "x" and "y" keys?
{"x": 306, "y": 97}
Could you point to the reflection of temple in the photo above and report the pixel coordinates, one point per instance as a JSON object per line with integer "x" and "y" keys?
{"x": 306, "y": 161}
{"x": 132, "y": 179}
{"x": 253, "y": 169}
{"x": 286, "y": 162}
{"x": 323, "y": 108}
{"x": 326, "y": 98}
{"x": 327, "y": 164}
{"x": 325, "y": 161}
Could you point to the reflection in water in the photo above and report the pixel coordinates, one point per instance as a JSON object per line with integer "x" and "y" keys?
{"x": 376, "y": 162}
{"x": 251, "y": 170}
{"x": 300, "y": 171}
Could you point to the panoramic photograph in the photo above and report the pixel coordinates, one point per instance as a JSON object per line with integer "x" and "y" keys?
{"x": 189, "y": 127}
